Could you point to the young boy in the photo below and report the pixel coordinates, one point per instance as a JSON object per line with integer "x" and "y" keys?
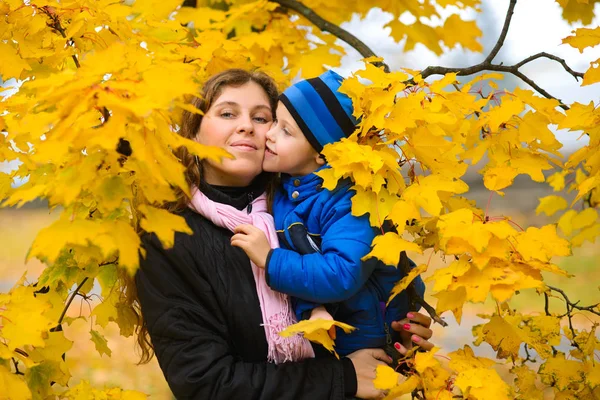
{"x": 322, "y": 243}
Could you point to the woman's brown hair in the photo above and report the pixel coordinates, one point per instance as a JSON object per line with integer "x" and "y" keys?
{"x": 190, "y": 125}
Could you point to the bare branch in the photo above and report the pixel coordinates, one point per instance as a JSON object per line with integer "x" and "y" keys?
{"x": 334, "y": 29}
{"x": 551, "y": 57}
{"x": 486, "y": 65}
{"x": 503, "y": 33}
{"x": 16, "y": 364}
{"x": 58, "y": 327}
{"x": 575, "y": 305}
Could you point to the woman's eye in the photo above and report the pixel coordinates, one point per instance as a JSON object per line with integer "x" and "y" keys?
{"x": 261, "y": 120}
{"x": 286, "y": 132}
{"x": 226, "y": 114}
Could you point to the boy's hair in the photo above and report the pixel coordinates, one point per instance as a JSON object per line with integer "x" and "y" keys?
{"x": 323, "y": 114}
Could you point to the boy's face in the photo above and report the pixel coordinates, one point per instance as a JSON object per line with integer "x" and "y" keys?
{"x": 287, "y": 148}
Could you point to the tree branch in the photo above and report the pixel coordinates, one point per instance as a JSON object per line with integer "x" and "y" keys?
{"x": 334, "y": 29}
{"x": 58, "y": 326}
{"x": 56, "y": 25}
{"x": 561, "y": 61}
{"x": 503, "y": 33}
{"x": 576, "y": 305}
{"x": 486, "y": 65}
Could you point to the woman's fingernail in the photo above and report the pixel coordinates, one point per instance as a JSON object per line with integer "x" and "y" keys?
{"x": 410, "y": 315}
{"x": 406, "y": 326}
{"x": 391, "y": 359}
{"x": 416, "y": 339}
{"x": 397, "y": 346}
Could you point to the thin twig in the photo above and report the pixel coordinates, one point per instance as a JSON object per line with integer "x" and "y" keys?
{"x": 528, "y": 355}
{"x": 16, "y": 364}
{"x": 575, "y": 305}
{"x": 332, "y": 28}
{"x": 64, "y": 311}
{"x": 503, "y": 33}
{"x": 546, "y": 305}
{"x": 56, "y": 25}
{"x": 551, "y": 57}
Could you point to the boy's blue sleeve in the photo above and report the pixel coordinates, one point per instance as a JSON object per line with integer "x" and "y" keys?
{"x": 301, "y": 308}
{"x": 334, "y": 274}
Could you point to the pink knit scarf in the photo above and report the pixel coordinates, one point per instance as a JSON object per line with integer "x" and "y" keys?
{"x": 276, "y": 311}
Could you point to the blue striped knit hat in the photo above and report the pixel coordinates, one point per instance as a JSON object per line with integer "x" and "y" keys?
{"x": 323, "y": 114}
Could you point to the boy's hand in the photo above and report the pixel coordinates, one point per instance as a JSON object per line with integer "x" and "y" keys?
{"x": 254, "y": 242}
{"x": 320, "y": 312}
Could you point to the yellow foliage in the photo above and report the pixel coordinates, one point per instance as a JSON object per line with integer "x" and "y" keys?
{"x": 317, "y": 331}
{"x": 94, "y": 125}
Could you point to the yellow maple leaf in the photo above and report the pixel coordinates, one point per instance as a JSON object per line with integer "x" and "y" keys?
{"x": 459, "y": 32}
{"x": 12, "y": 64}
{"x": 592, "y": 374}
{"x": 584, "y": 37}
{"x": 503, "y": 335}
{"x": 404, "y": 282}
{"x": 592, "y": 75}
{"x": 378, "y": 205}
{"x": 163, "y": 223}
{"x": 405, "y": 387}
{"x": 588, "y": 234}
{"x": 12, "y": 384}
{"x": 443, "y": 277}
{"x": 499, "y": 177}
{"x": 550, "y": 205}
{"x": 388, "y": 247}
{"x": 385, "y": 377}
{"x": 24, "y": 320}
{"x": 559, "y": 372}
{"x": 452, "y": 300}
{"x": 425, "y": 192}
{"x": 317, "y": 331}
{"x": 465, "y": 359}
{"x": 541, "y": 244}
{"x": 101, "y": 343}
{"x": 482, "y": 384}
{"x": 525, "y": 383}
{"x": 586, "y": 186}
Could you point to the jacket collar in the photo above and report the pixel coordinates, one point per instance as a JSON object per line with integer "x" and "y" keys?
{"x": 299, "y": 188}
{"x": 238, "y": 199}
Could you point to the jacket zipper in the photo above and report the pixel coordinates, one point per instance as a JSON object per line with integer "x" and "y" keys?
{"x": 250, "y": 199}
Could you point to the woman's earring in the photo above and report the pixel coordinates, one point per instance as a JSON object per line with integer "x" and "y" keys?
{"x": 198, "y": 162}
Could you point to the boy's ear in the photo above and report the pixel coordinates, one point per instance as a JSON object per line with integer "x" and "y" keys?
{"x": 320, "y": 159}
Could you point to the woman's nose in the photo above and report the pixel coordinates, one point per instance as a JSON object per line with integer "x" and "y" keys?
{"x": 245, "y": 125}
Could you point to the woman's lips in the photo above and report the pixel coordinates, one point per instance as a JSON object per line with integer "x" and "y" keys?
{"x": 244, "y": 145}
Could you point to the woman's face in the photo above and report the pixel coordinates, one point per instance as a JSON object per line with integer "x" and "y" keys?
{"x": 237, "y": 122}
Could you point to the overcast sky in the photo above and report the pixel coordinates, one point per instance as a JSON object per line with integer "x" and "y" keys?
{"x": 536, "y": 26}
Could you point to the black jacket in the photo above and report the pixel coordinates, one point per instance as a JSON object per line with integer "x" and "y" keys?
{"x": 200, "y": 304}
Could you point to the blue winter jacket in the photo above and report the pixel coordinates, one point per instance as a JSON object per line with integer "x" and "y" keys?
{"x": 319, "y": 262}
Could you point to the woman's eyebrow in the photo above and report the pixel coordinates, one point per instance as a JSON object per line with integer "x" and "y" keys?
{"x": 261, "y": 106}
{"x": 227, "y": 103}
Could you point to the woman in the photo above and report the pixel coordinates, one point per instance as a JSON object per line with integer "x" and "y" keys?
{"x": 200, "y": 301}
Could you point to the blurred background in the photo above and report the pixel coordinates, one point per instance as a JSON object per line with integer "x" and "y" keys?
{"x": 537, "y": 26}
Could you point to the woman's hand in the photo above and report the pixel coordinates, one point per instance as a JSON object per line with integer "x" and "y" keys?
{"x": 365, "y": 363}
{"x": 413, "y": 329}
{"x": 253, "y": 241}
